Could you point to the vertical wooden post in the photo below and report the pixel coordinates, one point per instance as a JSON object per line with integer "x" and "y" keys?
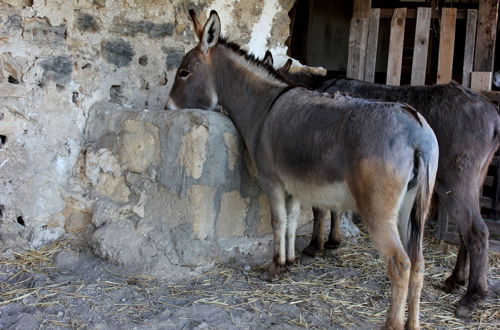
{"x": 421, "y": 46}
{"x": 470, "y": 43}
{"x": 481, "y": 81}
{"x": 396, "y": 47}
{"x": 486, "y": 35}
{"x": 358, "y": 36}
{"x": 361, "y": 8}
{"x": 371, "y": 46}
{"x": 446, "y": 45}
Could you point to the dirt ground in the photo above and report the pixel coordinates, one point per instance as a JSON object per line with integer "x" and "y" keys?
{"x": 60, "y": 287}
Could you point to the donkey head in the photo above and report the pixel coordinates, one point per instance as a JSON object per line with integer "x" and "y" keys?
{"x": 300, "y": 75}
{"x": 193, "y": 85}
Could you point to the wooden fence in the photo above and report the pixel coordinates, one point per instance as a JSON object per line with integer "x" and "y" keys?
{"x": 480, "y": 36}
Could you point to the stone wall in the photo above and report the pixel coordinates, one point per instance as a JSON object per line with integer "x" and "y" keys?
{"x": 58, "y": 59}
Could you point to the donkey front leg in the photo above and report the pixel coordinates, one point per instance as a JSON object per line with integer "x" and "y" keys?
{"x": 316, "y": 246}
{"x": 334, "y": 238}
{"x": 276, "y": 198}
{"x": 293, "y": 209}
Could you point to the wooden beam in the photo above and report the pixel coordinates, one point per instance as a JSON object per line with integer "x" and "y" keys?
{"x": 446, "y": 45}
{"x": 357, "y": 48}
{"x": 371, "y": 45}
{"x": 421, "y": 46}
{"x": 486, "y": 35}
{"x": 361, "y": 8}
{"x": 396, "y": 47}
{"x": 470, "y": 44}
{"x": 412, "y": 13}
{"x": 481, "y": 81}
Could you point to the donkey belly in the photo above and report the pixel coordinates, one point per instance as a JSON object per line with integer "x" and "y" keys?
{"x": 335, "y": 196}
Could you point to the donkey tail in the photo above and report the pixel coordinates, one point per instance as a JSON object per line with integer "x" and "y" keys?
{"x": 421, "y": 205}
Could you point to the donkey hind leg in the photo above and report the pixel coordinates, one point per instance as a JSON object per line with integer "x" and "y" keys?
{"x": 334, "y": 238}
{"x": 475, "y": 237}
{"x": 416, "y": 280}
{"x": 460, "y": 272}
{"x": 316, "y": 246}
{"x": 384, "y": 234}
{"x": 293, "y": 210}
{"x": 275, "y": 270}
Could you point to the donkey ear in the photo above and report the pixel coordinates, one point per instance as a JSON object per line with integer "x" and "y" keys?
{"x": 286, "y": 67}
{"x": 198, "y": 29}
{"x": 268, "y": 59}
{"x": 211, "y": 32}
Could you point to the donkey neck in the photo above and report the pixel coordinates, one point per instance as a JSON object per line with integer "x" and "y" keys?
{"x": 246, "y": 91}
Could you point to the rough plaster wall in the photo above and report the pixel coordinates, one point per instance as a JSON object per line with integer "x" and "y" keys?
{"x": 58, "y": 58}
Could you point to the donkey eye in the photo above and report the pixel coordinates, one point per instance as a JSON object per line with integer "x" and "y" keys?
{"x": 184, "y": 73}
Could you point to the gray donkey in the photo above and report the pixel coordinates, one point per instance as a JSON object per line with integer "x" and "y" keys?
{"x": 467, "y": 127}
{"x": 338, "y": 152}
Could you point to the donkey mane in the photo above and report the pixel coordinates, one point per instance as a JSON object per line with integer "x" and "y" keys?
{"x": 250, "y": 57}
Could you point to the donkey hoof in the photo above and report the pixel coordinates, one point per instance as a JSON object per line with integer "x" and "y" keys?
{"x": 464, "y": 311}
{"x": 392, "y": 326}
{"x": 270, "y": 277}
{"x": 412, "y": 327}
{"x": 312, "y": 251}
{"x": 450, "y": 285}
{"x": 332, "y": 245}
{"x": 273, "y": 273}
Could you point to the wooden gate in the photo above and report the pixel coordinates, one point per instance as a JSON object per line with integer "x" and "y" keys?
{"x": 480, "y": 38}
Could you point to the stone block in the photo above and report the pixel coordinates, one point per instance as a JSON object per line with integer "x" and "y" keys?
{"x": 18, "y": 3}
{"x": 202, "y": 200}
{"x": 87, "y": 23}
{"x": 12, "y": 68}
{"x": 57, "y": 69}
{"x": 126, "y": 27}
{"x": 232, "y": 215}
{"x": 14, "y": 22}
{"x": 265, "y": 225}
{"x": 40, "y": 31}
{"x": 174, "y": 56}
{"x": 117, "y": 51}
{"x": 140, "y": 146}
{"x": 193, "y": 151}
{"x": 232, "y": 146}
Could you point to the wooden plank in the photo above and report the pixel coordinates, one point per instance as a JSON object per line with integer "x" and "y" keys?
{"x": 421, "y": 46}
{"x": 481, "y": 81}
{"x": 486, "y": 35}
{"x": 412, "y": 13}
{"x": 446, "y": 45}
{"x": 371, "y": 45}
{"x": 470, "y": 44}
{"x": 396, "y": 47}
{"x": 357, "y": 48}
{"x": 361, "y": 8}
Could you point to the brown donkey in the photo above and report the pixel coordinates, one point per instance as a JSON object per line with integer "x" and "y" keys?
{"x": 324, "y": 151}
{"x": 467, "y": 128}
